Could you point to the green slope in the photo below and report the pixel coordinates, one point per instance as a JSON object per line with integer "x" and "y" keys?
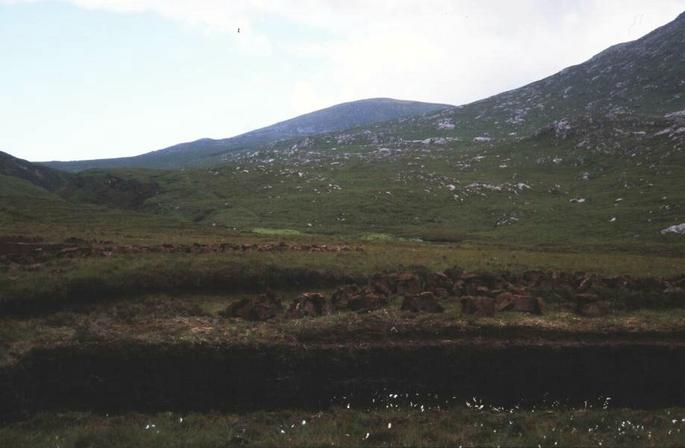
{"x": 21, "y": 178}
{"x": 522, "y": 191}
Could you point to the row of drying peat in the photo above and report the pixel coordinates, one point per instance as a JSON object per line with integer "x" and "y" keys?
{"x": 34, "y": 252}
{"x": 480, "y": 295}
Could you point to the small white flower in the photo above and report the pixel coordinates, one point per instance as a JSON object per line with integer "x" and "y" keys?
{"x": 304, "y": 422}
{"x": 389, "y": 425}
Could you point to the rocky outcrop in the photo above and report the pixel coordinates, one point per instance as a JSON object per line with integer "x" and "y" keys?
{"x": 677, "y": 229}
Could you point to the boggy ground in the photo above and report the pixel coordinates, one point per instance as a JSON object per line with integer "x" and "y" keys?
{"x": 153, "y": 329}
{"x": 202, "y": 352}
{"x": 393, "y": 423}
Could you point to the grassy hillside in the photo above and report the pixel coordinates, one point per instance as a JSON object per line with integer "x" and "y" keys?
{"x": 84, "y": 206}
{"x": 596, "y": 184}
{"x": 605, "y": 183}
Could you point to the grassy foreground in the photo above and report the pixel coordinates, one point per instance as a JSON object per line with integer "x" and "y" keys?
{"x": 393, "y": 425}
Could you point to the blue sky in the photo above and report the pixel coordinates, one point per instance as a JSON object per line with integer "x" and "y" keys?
{"x": 105, "y": 78}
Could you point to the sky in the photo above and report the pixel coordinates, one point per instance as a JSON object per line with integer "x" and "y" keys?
{"x": 87, "y": 79}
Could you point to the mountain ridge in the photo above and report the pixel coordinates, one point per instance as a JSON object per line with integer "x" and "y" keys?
{"x": 640, "y": 76}
{"x": 611, "y": 82}
{"x": 338, "y": 117}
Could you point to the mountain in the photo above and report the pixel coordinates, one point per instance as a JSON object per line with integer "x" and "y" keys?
{"x": 645, "y": 77}
{"x": 594, "y": 154}
{"x": 591, "y": 156}
{"x": 208, "y": 151}
{"x": 20, "y": 178}
{"x": 40, "y": 176}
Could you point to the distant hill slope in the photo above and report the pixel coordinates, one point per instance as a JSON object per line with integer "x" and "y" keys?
{"x": 208, "y": 151}
{"x": 645, "y": 77}
{"x": 40, "y": 176}
{"x": 20, "y": 178}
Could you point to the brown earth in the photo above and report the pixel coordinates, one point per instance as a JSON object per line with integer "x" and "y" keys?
{"x": 424, "y": 302}
{"x": 31, "y": 251}
{"x": 478, "y": 306}
{"x": 262, "y": 307}
{"x": 522, "y": 303}
{"x": 309, "y": 304}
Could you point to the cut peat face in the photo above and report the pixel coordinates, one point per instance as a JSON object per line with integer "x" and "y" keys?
{"x": 187, "y": 377}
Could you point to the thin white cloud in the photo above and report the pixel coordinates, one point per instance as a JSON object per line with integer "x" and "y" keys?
{"x": 461, "y": 51}
{"x": 439, "y": 50}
